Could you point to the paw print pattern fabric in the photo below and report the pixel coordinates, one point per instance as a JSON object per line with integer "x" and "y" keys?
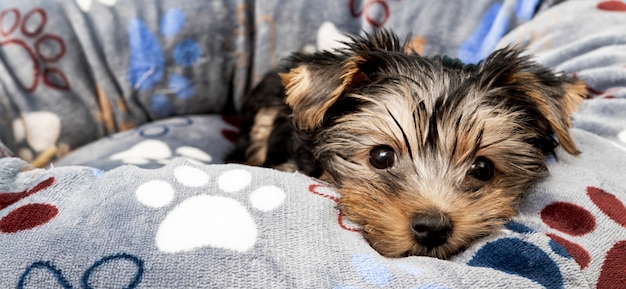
{"x": 76, "y": 71}
{"x": 155, "y": 215}
{"x": 188, "y": 223}
{"x": 202, "y": 139}
{"x": 79, "y": 70}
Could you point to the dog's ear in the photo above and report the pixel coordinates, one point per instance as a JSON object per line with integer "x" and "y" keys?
{"x": 559, "y": 107}
{"x": 312, "y": 87}
{"x": 318, "y": 80}
{"x": 555, "y": 96}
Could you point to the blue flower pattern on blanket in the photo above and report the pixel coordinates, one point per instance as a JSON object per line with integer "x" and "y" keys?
{"x": 147, "y": 63}
{"x": 492, "y": 27}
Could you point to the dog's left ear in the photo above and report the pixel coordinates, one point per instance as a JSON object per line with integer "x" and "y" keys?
{"x": 555, "y": 96}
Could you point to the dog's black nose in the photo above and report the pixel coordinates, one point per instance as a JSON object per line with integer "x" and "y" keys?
{"x": 431, "y": 229}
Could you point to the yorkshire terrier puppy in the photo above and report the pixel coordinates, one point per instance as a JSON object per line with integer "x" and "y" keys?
{"x": 427, "y": 153}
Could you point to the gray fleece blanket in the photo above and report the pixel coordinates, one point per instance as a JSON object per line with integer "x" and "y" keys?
{"x": 150, "y": 208}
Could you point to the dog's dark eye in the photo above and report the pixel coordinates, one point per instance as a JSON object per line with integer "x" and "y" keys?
{"x": 382, "y": 157}
{"x": 482, "y": 169}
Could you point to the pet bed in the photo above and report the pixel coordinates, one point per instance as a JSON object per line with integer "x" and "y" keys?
{"x": 129, "y": 108}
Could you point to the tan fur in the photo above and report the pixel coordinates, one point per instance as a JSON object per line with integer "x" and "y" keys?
{"x": 557, "y": 111}
{"x": 303, "y": 95}
{"x": 573, "y": 98}
{"x": 298, "y": 84}
{"x": 263, "y": 122}
{"x": 433, "y": 180}
{"x": 287, "y": 167}
{"x": 388, "y": 230}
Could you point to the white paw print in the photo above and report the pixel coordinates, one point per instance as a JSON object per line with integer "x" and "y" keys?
{"x": 328, "y": 38}
{"x": 41, "y": 130}
{"x": 208, "y": 220}
{"x": 155, "y": 150}
{"x": 85, "y": 5}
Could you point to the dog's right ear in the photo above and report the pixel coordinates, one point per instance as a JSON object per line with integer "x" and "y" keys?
{"x": 312, "y": 87}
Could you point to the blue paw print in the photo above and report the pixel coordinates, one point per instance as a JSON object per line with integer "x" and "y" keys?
{"x": 155, "y": 130}
{"x": 373, "y": 272}
{"x": 492, "y": 27}
{"x": 97, "y": 173}
{"x": 521, "y": 258}
{"x": 147, "y": 63}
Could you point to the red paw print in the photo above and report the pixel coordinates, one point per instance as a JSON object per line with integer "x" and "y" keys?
{"x": 612, "y": 5}
{"x": 316, "y": 189}
{"x": 609, "y": 93}
{"x": 375, "y": 12}
{"x": 41, "y": 49}
{"x": 576, "y": 221}
{"x": 27, "y": 216}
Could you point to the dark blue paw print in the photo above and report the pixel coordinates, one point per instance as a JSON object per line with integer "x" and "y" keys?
{"x": 147, "y": 65}
{"x": 126, "y": 269}
{"x": 521, "y": 258}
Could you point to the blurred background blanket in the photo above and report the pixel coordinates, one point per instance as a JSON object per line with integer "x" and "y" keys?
{"x": 143, "y": 95}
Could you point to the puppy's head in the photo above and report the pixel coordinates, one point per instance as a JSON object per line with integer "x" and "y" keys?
{"x": 429, "y": 154}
